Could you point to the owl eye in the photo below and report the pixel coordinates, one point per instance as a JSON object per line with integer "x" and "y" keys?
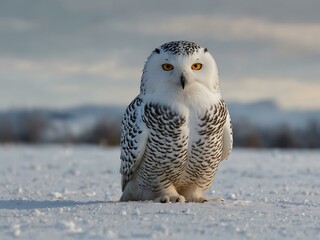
{"x": 196, "y": 66}
{"x": 167, "y": 67}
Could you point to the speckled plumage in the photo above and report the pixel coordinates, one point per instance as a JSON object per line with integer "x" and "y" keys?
{"x": 173, "y": 138}
{"x": 180, "y": 47}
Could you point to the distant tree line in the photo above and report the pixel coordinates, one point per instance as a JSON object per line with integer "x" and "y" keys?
{"x": 27, "y": 128}
{"x": 33, "y": 127}
{"x": 247, "y": 134}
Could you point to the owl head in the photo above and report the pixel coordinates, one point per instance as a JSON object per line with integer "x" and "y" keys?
{"x": 179, "y": 66}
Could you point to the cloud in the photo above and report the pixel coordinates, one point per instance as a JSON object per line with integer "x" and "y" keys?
{"x": 290, "y": 36}
{"x": 61, "y": 83}
{"x": 288, "y": 93}
{"x": 112, "y": 69}
{"x": 16, "y": 25}
{"x": 109, "y": 68}
{"x": 61, "y": 52}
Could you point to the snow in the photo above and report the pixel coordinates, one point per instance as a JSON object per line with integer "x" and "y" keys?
{"x": 72, "y": 192}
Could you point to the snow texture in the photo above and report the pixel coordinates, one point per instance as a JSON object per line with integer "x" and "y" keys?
{"x": 72, "y": 192}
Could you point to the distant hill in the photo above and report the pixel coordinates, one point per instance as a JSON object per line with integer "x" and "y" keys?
{"x": 260, "y": 124}
{"x": 266, "y": 114}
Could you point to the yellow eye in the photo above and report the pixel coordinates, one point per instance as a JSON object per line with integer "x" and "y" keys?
{"x": 196, "y": 66}
{"x": 167, "y": 67}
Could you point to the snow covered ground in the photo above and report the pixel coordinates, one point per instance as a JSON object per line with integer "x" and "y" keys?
{"x": 71, "y": 192}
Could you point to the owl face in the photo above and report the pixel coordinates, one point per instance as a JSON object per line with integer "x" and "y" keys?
{"x": 180, "y": 66}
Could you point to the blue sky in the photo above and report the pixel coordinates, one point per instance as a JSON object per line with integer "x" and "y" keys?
{"x": 70, "y": 52}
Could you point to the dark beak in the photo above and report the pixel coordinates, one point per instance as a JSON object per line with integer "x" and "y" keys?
{"x": 183, "y": 81}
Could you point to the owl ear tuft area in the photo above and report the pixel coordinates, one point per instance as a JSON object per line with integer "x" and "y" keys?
{"x": 157, "y": 50}
{"x": 205, "y": 50}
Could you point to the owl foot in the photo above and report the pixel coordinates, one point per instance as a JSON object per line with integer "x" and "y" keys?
{"x": 172, "y": 199}
{"x": 200, "y": 200}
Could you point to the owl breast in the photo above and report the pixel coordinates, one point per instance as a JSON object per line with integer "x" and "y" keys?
{"x": 205, "y": 147}
{"x": 181, "y": 150}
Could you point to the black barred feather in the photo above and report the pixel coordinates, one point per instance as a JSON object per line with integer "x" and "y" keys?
{"x": 169, "y": 157}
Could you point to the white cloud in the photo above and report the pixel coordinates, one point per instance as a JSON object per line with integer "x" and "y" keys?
{"x": 288, "y": 93}
{"x": 61, "y": 83}
{"x": 85, "y": 6}
{"x": 109, "y": 68}
{"x": 16, "y": 25}
{"x": 290, "y": 36}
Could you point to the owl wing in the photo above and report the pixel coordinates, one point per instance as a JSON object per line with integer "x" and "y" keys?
{"x": 227, "y": 138}
{"x": 133, "y": 140}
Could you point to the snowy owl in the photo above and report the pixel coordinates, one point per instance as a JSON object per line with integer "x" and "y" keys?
{"x": 177, "y": 130}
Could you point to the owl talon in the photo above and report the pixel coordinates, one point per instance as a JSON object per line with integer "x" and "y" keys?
{"x": 179, "y": 199}
{"x": 167, "y": 199}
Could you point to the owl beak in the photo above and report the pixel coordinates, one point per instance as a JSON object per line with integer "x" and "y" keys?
{"x": 183, "y": 80}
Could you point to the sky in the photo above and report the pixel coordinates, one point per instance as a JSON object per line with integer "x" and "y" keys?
{"x": 67, "y": 53}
